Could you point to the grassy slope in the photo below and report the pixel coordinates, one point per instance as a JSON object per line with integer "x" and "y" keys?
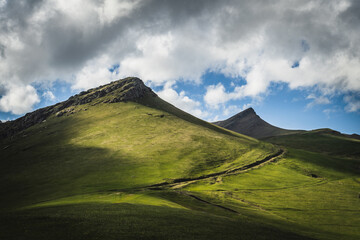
{"x": 317, "y": 190}
{"x": 81, "y": 177}
{"x": 116, "y": 146}
{"x": 78, "y": 176}
{"x": 322, "y": 141}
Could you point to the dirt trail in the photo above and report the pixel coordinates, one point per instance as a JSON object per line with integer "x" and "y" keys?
{"x": 179, "y": 181}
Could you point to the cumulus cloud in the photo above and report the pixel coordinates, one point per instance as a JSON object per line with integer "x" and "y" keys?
{"x": 216, "y": 94}
{"x": 48, "y": 95}
{"x": 18, "y": 99}
{"x": 317, "y": 100}
{"x": 301, "y": 43}
{"x": 353, "y": 103}
{"x": 182, "y": 101}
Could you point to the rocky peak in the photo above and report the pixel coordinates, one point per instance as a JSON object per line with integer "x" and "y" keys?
{"x": 250, "y": 112}
{"x": 249, "y": 123}
{"x": 127, "y": 89}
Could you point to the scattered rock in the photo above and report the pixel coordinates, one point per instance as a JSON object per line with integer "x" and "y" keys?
{"x": 314, "y": 175}
{"x": 59, "y": 114}
{"x": 158, "y": 115}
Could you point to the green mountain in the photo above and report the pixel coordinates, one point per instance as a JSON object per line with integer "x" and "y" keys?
{"x": 249, "y": 123}
{"x": 325, "y": 141}
{"x": 118, "y": 162}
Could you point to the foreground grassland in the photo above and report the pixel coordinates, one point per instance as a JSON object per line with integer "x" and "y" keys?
{"x": 89, "y": 175}
{"x": 318, "y": 194}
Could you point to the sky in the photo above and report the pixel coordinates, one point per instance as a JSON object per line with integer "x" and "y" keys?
{"x": 297, "y": 63}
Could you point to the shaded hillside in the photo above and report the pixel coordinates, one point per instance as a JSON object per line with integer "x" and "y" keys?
{"x": 63, "y": 167}
{"x": 120, "y": 135}
{"x": 249, "y": 123}
{"x": 324, "y": 141}
{"x": 119, "y": 162}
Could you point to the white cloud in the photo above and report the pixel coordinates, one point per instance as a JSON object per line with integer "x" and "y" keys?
{"x": 214, "y": 119}
{"x": 94, "y": 73}
{"x": 48, "y": 95}
{"x": 18, "y": 99}
{"x": 353, "y": 104}
{"x": 114, "y": 9}
{"x": 329, "y": 111}
{"x": 223, "y": 111}
{"x": 167, "y": 57}
{"x": 2, "y": 3}
{"x": 182, "y": 101}
{"x": 233, "y": 109}
{"x": 216, "y": 94}
{"x": 317, "y": 100}
{"x": 169, "y": 41}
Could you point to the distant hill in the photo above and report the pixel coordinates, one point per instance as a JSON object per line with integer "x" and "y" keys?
{"x": 324, "y": 140}
{"x": 249, "y": 123}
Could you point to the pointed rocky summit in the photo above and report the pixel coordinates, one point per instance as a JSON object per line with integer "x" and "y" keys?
{"x": 249, "y": 123}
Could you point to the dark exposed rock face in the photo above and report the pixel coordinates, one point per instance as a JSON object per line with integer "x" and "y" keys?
{"x": 249, "y": 123}
{"x": 127, "y": 89}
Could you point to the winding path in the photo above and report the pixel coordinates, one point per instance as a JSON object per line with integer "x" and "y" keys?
{"x": 180, "y": 181}
{"x": 248, "y": 167}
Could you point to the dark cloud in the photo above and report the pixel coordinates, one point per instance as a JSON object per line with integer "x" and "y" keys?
{"x": 164, "y": 41}
{"x": 17, "y": 12}
{"x": 2, "y": 51}
{"x": 352, "y": 14}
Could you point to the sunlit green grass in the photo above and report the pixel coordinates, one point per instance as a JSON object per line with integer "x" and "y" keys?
{"x": 84, "y": 176}
{"x": 322, "y": 141}
{"x": 114, "y": 147}
{"x": 317, "y": 193}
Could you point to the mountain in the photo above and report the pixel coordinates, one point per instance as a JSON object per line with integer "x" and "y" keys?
{"x": 117, "y": 161}
{"x": 325, "y": 141}
{"x": 86, "y": 141}
{"x": 67, "y": 167}
{"x": 249, "y": 123}
{"x": 120, "y": 91}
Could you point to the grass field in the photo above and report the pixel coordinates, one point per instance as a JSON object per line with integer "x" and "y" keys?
{"x": 322, "y": 141}
{"x": 300, "y": 189}
{"x": 86, "y": 175}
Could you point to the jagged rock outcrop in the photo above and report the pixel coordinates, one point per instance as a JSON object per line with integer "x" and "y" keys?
{"x": 127, "y": 89}
{"x": 249, "y": 123}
